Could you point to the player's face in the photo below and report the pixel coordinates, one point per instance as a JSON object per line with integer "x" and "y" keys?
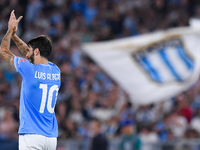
{"x": 30, "y": 55}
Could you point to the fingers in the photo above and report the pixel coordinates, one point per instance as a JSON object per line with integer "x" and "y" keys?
{"x": 12, "y": 15}
{"x": 12, "y": 11}
{"x": 19, "y": 18}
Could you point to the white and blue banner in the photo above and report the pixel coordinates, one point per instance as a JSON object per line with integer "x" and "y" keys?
{"x": 151, "y": 67}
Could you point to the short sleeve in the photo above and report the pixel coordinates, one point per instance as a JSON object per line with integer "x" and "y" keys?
{"x": 23, "y": 66}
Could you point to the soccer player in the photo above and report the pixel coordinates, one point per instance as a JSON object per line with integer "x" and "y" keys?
{"x": 40, "y": 84}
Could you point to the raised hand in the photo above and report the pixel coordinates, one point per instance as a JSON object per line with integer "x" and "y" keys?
{"x": 13, "y": 22}
{"x": 12, "y": 28}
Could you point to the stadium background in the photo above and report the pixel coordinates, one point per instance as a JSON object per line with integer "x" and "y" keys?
{"x": 87, "y": 93}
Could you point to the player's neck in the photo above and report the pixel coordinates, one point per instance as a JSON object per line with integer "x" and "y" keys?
{"x": 40, "y": 60}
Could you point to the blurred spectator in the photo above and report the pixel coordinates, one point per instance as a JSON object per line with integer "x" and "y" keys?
{"x": 90, "y": 11}
{"x": 99, "y": 141}
{"x": 130, "y": 140}
{"x": 162, "y": 128}
{"x": 33, "y": 8}
{"x": 116, "y": 21}
{"x": 196, "y": 122}
{"x": 145, "y": 115}
{"x": 69, "y": 130}
{"x": 183, "y": 107}
{"x": 191, "y": 134}
{"x": 177, "y": 124}
{"x": 112, "y": 128}
{"x": 149, "y": 138}
{"x": 8, "y": 125}
{"x": 77, "y": 6}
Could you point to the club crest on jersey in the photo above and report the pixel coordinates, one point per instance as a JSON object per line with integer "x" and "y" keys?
{"x": 165, "y": 61}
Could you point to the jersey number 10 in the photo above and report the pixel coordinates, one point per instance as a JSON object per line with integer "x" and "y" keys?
{"x": 50, "y": 97}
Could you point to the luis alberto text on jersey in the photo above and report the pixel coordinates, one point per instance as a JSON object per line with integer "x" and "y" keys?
{"x": 39, "y": 90}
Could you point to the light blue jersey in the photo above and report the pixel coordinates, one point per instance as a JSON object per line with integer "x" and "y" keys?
{"x": 39, "y": 90}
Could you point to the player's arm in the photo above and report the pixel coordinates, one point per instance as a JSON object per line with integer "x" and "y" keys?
{"x": 22, "y": 46}
{"x": 5, "y": 44}
{"x": 5, "y": 48}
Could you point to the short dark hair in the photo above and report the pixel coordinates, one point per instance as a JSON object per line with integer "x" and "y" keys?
{"x": 43, "y": 43}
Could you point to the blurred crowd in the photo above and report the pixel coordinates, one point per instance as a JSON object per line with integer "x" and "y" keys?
{"x": 87, "y": 93}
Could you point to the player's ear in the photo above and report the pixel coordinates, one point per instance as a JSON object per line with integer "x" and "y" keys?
{"x": 36, "y": 51}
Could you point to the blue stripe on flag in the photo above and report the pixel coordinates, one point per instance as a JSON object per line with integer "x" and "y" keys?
{"x": 169, "y": 65}
{"x": 186, "y": 59}
{"x": 150, "y": 69}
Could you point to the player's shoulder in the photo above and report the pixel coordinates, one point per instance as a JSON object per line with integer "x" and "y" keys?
{"x": 54, "y": 65}
{"x": 22, "y": 61}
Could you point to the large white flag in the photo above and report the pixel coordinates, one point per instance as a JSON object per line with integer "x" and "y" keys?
{"x": 151, "y": 67}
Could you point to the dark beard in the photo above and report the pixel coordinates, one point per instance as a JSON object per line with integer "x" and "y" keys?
{"x": 31, "y": 58}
